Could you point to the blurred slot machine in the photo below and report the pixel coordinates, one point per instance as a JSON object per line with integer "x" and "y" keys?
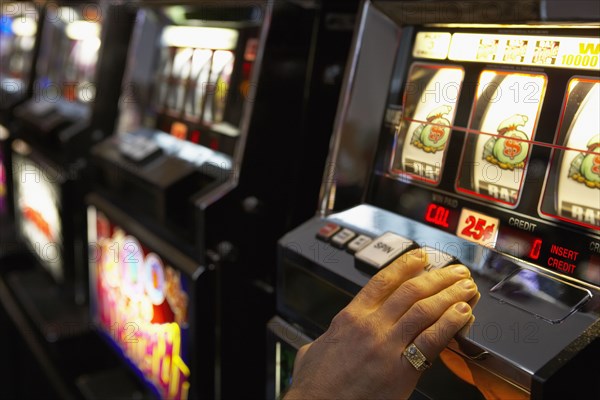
{"x": 479, "y": 143}
{"x": 53, "y": 131}
{"x": 211, "y": 92}
{"x": 19, "y": 38}
{"x": 181, "y": 119}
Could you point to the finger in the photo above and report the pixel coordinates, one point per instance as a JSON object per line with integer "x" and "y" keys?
{"x": 473, "y": 302}
{"x": 434, "y": 339}
{"x": 386, "y": 281}
{"x": 421, "y": 287}
{"x": 427, "y": 311}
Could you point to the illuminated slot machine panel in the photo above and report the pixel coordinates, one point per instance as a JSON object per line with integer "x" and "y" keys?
{"x": 182, "y": 111}
{"x": 142, "y": 300}
{"x": 52, "y": 132}
{"x": 74, "y": 52}
{"x": 572, "y": 184}
{"x": 18, "y": 34}
{"x": 425, "y": 129}
{"x": 497, "y": 161}
{"x": 194, "y": 82}
{"x": 510, "y": 189}
{"x": 39, "y": 213}
{"x": 19, "y": 38}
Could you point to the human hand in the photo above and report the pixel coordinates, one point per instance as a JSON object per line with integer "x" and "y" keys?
{"x": 360, "y": 355}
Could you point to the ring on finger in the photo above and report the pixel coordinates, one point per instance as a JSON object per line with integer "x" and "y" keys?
{"x": 416, "y": 358}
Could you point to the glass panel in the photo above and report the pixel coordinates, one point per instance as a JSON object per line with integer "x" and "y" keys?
{"x": 503, "y": 124}
{"x": 572, "y": 188}
{"x": 430, "y": 100}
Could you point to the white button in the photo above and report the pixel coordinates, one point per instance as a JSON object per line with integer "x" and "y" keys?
{"x": 343, "y": 237}
{"x": 382, "y": 250}
{"x": 359, "y": 243}
{"x": 437, "y": 259}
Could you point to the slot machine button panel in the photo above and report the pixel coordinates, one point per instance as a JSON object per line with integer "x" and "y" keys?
{"x": 438, "y": 259}
{"x": 342, "y": 238}
{"x": 137, "y": 148}
{"x": 328, "y": 230}
{"x": 359, "y": 243}
{"x": 382, "y": 251}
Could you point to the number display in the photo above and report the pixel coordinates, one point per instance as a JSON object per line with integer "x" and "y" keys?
{"x": 478, "y": 228}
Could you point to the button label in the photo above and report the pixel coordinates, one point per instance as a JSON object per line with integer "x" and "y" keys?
{"x": 382, "y": 251}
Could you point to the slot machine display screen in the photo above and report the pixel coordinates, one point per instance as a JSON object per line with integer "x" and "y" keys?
{"x": 572, "y": 190}
{"x": 425, "y": 130}
{"x": 38, "y": 212}
{"x": 18, "y": 28}
{"x": 496, "y": 140}
{"x": 195, "y": 73}
{"x": 504, "y": 115}
{"x": 191, "y": 86}
{"x": 69, "y": 53}
{"x": 141, "y": 303}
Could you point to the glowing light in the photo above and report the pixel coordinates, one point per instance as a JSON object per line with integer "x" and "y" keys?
{"x": 83, "y": 30}
{"x": 25, "y": 27}
{"x": 200, "y": 37}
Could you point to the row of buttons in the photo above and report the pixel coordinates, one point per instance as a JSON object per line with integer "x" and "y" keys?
{"x": 373, "y": 254}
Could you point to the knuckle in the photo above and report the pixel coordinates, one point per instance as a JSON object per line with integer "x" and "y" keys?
{"x": 345, "y": 317}
{"x": 422, "y": 309}
{"x": 439, "y": 274}
{"x": 413, "y": 289}
{"x": 381, "y": 281}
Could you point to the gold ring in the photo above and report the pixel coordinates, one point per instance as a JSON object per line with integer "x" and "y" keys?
{"x": 416, "y": 358}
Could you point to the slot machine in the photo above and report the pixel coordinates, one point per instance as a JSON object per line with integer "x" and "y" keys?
{"x": 209, "y": 94}
{"x": 469, "y": 129}
{"x": 74, "y": 101}
{"x": 19, "y": 38}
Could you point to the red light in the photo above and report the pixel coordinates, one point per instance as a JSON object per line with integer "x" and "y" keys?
{"x": 195, "y": 137}
{"x": 214, "y": 144}
{"x": 437, "y": 215}
{"x": 534, "y": 253}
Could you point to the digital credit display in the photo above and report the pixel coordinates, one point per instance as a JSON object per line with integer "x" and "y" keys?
{"x": 142, "y": 304}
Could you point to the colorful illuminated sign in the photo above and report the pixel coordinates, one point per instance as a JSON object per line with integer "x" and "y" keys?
{"x": 142, "y": 303}
{"x": 538, "y": 51}
{"x": 38, "y": 205}
{"x": 478, "y": 228}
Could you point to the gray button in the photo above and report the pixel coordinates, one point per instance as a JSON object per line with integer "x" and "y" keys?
{"x": 359, "y": 243}
{"x": 342, "y": 237}
{"x": 437, "y": 258}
